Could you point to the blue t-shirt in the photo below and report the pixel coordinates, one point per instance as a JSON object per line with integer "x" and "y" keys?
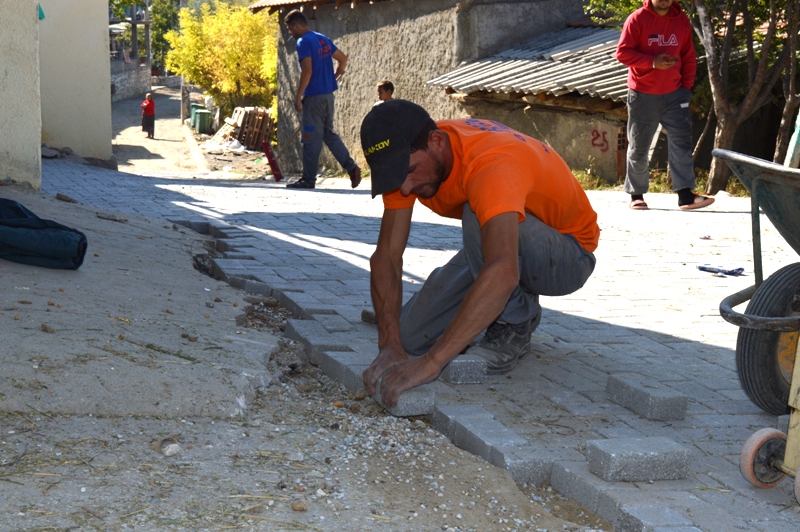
{"x": 320, "y": 49}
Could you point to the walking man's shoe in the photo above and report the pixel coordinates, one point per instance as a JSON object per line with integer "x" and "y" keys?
{"x": 300, "y": 183}
{"x": 355, "y": 177}
{"x": 504, "y": 344}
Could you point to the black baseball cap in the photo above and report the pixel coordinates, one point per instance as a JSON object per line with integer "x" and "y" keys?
{"x": 386, "y": 136}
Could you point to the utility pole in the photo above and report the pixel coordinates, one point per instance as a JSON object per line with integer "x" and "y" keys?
{"x": 184, "y": 88}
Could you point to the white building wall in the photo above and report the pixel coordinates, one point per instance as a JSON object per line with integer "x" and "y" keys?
{"x": 76, "y": 92}
{"x": 20, "y": 119}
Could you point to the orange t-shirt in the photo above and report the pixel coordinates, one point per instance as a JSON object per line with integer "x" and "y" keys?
{"x": 498, "y": 170}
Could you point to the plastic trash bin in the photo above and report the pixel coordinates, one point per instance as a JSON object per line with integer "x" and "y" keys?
{"x": 202, "y": 118}
{"x": 193, "y": 107}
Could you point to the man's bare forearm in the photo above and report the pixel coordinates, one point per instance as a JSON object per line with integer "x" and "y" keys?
{"x": 484, "y": 301}
{"x": 387, "y": 295}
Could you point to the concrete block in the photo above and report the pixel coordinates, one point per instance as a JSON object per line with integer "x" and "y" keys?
{"x": 637, "y": 459}
{"x": 465, "y": 369}
{"x": 199, "y": 227}
{"x": 647, "y": 397}
{"x": 255, "y": 287}
{"x": 574, "y": 481}
{"x": 333, "y": 322}
{"x": 237, "y": 255}
{"x": 314, "y": 337}
{"x": 480, "y": 435}
{"x": 676, "y": 529}
{"x": 444, "y": 417}
{"x": 645, "y": 517}
{"x": 417, "y": 401}
{"x": 526, "y": 465}
{"x": 345, "y": 367}
{"x": 287, "y": 300}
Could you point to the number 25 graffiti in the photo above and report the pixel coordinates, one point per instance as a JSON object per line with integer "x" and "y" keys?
{"x": 599, "y": 140}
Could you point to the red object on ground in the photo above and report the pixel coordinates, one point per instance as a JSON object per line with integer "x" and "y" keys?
{"x": 273, "y": 162}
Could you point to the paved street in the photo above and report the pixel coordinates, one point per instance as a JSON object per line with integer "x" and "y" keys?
{"x": 647, "y": 313}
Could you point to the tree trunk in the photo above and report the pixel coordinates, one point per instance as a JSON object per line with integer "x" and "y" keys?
{"x": 709, "y": 120}
{"x": 785, "y": 131}
{"x": 723, "y": 139}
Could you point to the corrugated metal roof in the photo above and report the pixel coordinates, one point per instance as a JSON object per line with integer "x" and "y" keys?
{"x": 276, "y": 4}
{"x": 569, "y": 60}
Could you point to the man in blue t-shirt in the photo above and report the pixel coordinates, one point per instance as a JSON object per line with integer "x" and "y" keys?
{"x": 314, "y": 99}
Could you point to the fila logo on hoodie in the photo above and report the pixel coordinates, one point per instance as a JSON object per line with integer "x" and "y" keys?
{"x": 660, "y": 40}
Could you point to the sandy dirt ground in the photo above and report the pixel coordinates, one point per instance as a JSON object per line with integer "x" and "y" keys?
{"x": 139, "y": 393}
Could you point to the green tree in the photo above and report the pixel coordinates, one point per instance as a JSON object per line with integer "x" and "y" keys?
{"x": 228, "y": 52}
{"x": 164, "y": 14}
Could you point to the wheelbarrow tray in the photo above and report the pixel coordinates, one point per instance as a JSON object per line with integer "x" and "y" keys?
{"x": 776, "y": 187}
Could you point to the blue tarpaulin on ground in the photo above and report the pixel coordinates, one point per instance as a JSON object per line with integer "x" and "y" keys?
{"x": 28, "y": 239}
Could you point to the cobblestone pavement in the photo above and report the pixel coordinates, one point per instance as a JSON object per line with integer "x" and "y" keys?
{"x": 647, "y": 321}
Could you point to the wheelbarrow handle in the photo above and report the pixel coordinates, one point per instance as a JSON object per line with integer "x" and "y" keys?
{"x": 750, "y": 321}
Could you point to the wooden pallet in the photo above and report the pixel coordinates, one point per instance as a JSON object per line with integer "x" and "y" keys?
{"x": 249, "y": 125}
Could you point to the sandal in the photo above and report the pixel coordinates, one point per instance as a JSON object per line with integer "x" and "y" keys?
{"x": 638, "y": 205}
{"x": 698, "y": 203}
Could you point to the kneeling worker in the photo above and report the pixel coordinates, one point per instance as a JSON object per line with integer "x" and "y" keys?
{"x": 528, "y": 230}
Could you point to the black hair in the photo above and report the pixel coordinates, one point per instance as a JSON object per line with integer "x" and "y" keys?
{"x": 420, "y": 142}
{"x": 295, "y": 17}
{"x": 386, "y": 85}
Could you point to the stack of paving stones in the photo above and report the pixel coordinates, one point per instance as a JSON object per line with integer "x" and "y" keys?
{"x": 629, "y": 405}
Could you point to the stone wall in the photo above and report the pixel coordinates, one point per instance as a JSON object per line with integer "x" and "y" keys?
{"x": 408, "y": 42}
{"x": 584, "y": 140}
{"x": 76, "y": 106}
{"x": 21, "y": 119}
{"x": 129, "y": 80}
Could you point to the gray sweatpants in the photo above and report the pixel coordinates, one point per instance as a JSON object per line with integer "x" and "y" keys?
{"x": 550, "y": 264}
{"x": 645, "y": 112}
{"x": 318, "y": 128}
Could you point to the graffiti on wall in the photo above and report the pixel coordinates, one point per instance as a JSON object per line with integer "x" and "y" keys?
{"x": 599, "y": 140}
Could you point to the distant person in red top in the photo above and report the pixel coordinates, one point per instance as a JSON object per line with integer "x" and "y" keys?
{"x": 149, "y": 115}
{"x": 656, "y": 45}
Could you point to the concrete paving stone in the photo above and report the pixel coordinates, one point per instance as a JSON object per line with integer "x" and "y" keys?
{"x": 646, "y": 397}
{"x": 526, "y": 465}
{"x": 465, "y": 369}
{"x": 735, "y": 395}
{"x": 417, "y": 401}
{"x": 697, "y": 392}
{"x": 236, "y": 255}
{"x": 595, "y": 396}
{"x": 639, "y": 518}
{"x": 314, "y": 337}
{"x": 333, "y": 322}
{"x": 479, "y": 435}
{"x": 742, "y": 407}
{"x": 611, "y": 503}
{"x": 637, "y": 459}
{"x": 444, "y": 416}
{"x": 572, "y": 380}
{"x": 344, "y": 368}
{"x": 255, "y": 287}
{"x": 290, "y": 273}
{"x": 573, "y": 480}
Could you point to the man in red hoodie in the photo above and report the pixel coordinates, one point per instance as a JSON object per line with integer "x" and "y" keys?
{"x": 656, "y": 46}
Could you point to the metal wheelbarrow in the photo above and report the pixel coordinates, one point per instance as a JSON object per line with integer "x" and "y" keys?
{"x": 767, "y": 349}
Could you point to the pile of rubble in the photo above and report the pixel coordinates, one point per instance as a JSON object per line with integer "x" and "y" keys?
{"x": 248, "y": 126}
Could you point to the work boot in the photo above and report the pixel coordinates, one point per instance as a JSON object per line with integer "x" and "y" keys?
{"x": 301, "y": 183}
{"x": 504, "y": 344}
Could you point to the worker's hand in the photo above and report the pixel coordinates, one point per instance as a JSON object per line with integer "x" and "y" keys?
{"x": 339, "y": 74}
{"x": 386, "y": 359}
{"x": 298, "y": 103}
{"x": 664, "y": 62}
{"x": 406, "y": 375}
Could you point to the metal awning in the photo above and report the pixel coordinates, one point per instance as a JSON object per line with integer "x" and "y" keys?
{"x": 578, "y": 60}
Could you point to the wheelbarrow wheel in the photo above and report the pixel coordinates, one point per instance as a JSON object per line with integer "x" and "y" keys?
{"x": 765, "y": 359}
{"x": 758, "y": 453}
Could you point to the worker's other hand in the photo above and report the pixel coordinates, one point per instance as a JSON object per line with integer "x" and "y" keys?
{"x": 339, "y": 76}
{"x": 298, "y": 104}
{"x": 388, "y": 357}
{"x": 664, "y": 61}
{"x": 406, "y": 375}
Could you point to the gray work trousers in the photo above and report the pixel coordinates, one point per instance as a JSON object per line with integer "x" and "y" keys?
{"x": 550, "y": 264}
{"x": 645, "y": 112}
{"x": 318, "y": 128}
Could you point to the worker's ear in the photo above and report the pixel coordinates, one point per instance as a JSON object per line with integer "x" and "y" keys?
{"x": 437, "y": 140}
